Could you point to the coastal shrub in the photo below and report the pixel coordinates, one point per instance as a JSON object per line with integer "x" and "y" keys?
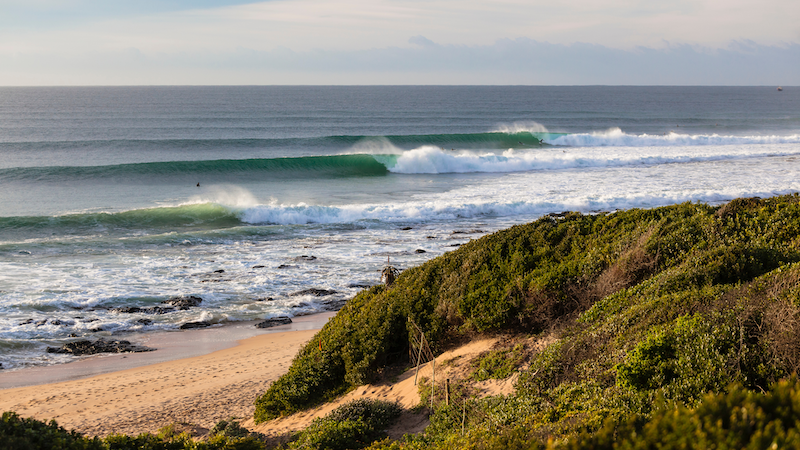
{"x": 498, "y": 364}
{"x": 229, "y": 428}
{"x": 630, "y": 295}
{"x": 353, "y": 425}
{"x": 737, "y": 419}
{"x": 17, "y": 433}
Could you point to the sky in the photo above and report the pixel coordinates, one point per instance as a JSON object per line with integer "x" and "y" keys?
{"x": 534, "y": 42}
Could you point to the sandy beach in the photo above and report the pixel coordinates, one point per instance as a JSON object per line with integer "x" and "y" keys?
{"x": 201, "y": 389}
{"x": 134, "y": 394}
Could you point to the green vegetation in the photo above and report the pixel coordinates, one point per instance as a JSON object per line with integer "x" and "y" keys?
{"x": 18, "y": 433}
{"x": 28, "y": 434}
{"x": 498, "y": 364}
{"x": 353, "y": 425}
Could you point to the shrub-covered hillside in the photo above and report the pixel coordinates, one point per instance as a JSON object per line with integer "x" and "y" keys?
{"x": 673, "y": 301}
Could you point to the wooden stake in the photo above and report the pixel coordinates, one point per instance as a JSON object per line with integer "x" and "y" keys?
{"x": 447, "y": 392}
{"x": 433, "y": 382}
{"x": 464, "y": 416}
{"x": 419, "y": 358}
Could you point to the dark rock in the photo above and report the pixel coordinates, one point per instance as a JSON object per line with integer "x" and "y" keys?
{"x": 72, "y": 335}
{"x": 184, "y": 302}
{"x": 150, "y": 310}
{"x": 99, "y": 346}
{"x": 467, "y": 232}
{"x": 90, "y": 320}
{"x": 274, "y": 322}
{"x": 419, "y": 250}
{"x": 126, "y": 310}
{"x": 406, "y": 228}
{"x": 305, "y": 258}
{"x": 359, "y": 286}
{"x": 333, "y": 305}
{"x": 29, "y": 321}
{"x": 219, "y": 271}
{"x": 313, "y": 291}
{"x": 96, "y": 330}
{"x": 430, "y": 237}
{"x": 1, "y": 366}
{"x": 41, "y": 322}
{"x": 287, "y": 266}
{"x": 190, "y": 325}
{"x": 258, "y": 267}
{"x": 144, "y": 321}
{"x": 455, "y": 245}
{"x": 301, "y": 305}
{"x": 158, "y": 310}
{"x": 268, "y": 299}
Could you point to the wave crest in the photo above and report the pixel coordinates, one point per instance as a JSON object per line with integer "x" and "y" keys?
{"x": 615, "y": 137}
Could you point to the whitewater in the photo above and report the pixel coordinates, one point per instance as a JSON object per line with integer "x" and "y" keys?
{"x": 115, "y": 198}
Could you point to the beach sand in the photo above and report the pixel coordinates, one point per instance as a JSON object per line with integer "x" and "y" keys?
{"x": 200, "y": 390}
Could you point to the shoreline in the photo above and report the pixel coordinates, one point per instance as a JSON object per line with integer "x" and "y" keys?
{"x": 196, "y": 390}
{"x": 169, "y": 345}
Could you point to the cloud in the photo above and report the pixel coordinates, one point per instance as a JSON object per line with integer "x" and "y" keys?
{"x": 398, "y": 42}
{"x": 506, "y": 61}
{"x": 422, "y": 41}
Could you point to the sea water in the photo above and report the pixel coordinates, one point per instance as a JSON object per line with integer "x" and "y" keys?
{"x": 120, "y": 197}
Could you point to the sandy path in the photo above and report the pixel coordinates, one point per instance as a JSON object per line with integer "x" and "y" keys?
{"x": 201, "y": 390}
{"x": 402, "y": 390}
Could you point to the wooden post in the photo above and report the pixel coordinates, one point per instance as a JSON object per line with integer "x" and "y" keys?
{"x": 433, "y": 382}
{"x": 464, "y": 416}
{"x": 419, "y": 357}
{"x": 447, "y": 392}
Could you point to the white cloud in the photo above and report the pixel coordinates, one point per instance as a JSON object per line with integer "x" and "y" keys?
{"x": 507, "y": 61}
{"x": 245, "y": 42}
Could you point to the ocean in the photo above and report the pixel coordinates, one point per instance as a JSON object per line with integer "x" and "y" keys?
{"x": 116, "y": 199}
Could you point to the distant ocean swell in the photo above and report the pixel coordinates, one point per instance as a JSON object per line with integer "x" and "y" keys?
{"x": 494, "y": 139}
{"x": 430, "y": 159}
{"x": 317, "y": 166}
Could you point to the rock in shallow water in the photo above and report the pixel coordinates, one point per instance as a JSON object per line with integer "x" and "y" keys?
{"x": 274, "y": 322}
{"x": 313, "y": 291}
{"x": 190, "y": 325}
{"x": 184, "y": 302}
{"x": 99, "y": 346}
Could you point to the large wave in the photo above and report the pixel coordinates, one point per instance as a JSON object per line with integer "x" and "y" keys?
{"x": 318, "y": 166}
{"x": 433, "y": 160}
{"x": 433, "y": 154}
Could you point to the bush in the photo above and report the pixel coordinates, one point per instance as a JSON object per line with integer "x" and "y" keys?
{"x": 354, "y": 425}
{"x": 737, "y": 419}
{"x": 17, "y": 433}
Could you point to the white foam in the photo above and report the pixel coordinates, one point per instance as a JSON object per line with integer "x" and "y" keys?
{"x": 615, "y": 137}
{"x": 433, "y": 160}
{"x": 225, "y": 195}
{"x": 527, "y": 126}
